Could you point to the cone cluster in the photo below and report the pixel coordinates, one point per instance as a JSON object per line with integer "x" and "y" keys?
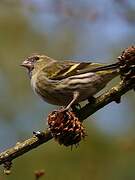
{"x": 127, "y": 64}
{"x": 66, "y": 127}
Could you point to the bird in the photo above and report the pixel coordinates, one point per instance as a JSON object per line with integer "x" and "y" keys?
{"x": 67, "y": 83}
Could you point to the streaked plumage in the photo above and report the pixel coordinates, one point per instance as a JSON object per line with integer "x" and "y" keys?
{"x": 66, "y": 82}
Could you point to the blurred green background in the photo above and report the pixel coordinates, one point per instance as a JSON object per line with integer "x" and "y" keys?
{"x": 83, "y": 30}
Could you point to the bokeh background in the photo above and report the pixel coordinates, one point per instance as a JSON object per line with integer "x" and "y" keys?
{"x": 89, "y": 30}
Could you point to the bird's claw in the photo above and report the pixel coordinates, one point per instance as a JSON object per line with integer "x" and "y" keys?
{"x": 91, "y": 99}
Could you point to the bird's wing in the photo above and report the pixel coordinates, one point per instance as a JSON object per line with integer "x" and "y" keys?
{"x": 68, "y": 68}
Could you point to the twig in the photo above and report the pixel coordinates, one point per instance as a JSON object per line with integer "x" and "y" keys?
{"x": 114, "y": 94}
{"x": 23, "y": 147}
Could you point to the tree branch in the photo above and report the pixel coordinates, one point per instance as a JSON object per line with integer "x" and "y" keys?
{"x": 114, "y": 94}
{"x": 23, "y": 147}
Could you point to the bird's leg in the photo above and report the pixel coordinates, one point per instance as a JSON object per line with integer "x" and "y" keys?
{"x": 75, "y": 96}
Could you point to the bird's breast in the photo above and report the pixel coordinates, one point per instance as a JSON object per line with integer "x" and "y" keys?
{"x": 47, "y": 90}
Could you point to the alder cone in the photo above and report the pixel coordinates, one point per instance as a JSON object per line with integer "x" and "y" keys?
{"x": 127, "y": 64}
{"x": 66, "y": 127}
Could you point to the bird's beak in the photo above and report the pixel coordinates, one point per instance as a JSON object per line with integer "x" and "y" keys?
{"x": 26, "y": 64}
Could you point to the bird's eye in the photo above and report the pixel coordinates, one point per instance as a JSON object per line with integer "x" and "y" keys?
{"x": 36, "y": 58}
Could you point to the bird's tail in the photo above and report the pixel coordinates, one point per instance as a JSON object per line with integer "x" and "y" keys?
{"x": 114, "y": 66}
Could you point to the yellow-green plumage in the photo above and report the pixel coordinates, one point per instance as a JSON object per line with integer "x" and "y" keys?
{"x": 68, "y": 82}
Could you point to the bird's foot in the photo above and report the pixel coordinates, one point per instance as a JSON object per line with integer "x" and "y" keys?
{"x": 91, "y": 99}
{"x": 76, "y": 107}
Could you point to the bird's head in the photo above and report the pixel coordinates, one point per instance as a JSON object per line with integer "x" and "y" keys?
{"x": 35, "y": 63}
